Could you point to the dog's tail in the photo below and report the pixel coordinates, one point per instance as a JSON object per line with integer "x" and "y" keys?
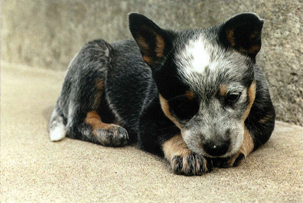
{"x": 57, "y": 127}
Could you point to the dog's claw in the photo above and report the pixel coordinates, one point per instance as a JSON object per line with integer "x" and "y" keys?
{"x": 192, "y": 164}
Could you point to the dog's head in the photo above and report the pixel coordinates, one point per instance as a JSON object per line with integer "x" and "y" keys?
{"x": 205, "y": 78}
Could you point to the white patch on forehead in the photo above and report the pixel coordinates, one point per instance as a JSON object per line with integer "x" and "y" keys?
{"x": 205, "y": 64}
{"x": 194, "y": 58}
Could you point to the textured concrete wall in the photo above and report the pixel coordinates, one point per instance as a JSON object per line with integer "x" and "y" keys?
{"x": 48, "y": 33}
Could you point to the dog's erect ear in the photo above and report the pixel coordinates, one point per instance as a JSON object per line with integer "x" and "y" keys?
{"x": 243, "y": 33}
{"x": 154, "y": 42}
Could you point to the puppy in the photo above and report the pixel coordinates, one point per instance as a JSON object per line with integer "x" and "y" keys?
{"x": 195, "y": 97}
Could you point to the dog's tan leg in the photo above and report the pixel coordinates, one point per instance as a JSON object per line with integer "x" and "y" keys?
{"x": 104, "y": 133}
{"x": 182, "y": 160}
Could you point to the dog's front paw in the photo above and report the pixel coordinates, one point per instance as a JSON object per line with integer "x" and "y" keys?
{"x": 232, "y": 161}
{"x": 182, "y": 160}
{"x": 190, "y": 164}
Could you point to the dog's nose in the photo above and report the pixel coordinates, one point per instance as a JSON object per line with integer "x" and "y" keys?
{"x": 216, "y": 148}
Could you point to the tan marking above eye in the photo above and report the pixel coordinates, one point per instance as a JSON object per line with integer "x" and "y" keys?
{"x": 222, "y": 90}
{"x": 189, "y": 94}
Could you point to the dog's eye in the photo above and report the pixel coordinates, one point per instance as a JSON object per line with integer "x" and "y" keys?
{"x": 232, "y": 97}
{"x": 183, "y": 108}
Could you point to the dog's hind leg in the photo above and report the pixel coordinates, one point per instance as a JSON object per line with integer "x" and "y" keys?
{"x": 105, "y": 133}
{"x": 88, "y": 114}
{"x": 90, "y": 117}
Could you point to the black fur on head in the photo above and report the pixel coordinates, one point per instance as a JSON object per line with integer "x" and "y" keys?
{"x": 156, "y": 45}
{"x": 242, "y": 33}
{"x": 154, "y": 42}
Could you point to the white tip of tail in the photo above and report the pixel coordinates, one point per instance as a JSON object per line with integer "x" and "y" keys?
{"x": 58, "y": 133}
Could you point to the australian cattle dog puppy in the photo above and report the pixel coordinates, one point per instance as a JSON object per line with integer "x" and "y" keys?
{"x": 195, "y": 97}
